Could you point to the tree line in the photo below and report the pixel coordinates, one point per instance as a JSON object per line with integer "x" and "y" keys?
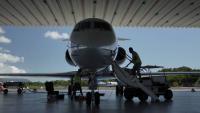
{"x": 57, "y": 83}
{"x": 182, "y": 80}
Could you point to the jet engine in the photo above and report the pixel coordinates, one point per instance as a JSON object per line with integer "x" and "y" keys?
{"x": 121, "y": 56}
{"x": 68, "y": 58}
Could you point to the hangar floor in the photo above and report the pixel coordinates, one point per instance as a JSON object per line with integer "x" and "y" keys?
{"x": 183, "y": 102}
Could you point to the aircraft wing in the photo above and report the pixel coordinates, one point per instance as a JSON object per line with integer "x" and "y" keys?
{"x": 171, "y": 73}
{"x": 64, "y": 74}
{"x": 100, "y": 75}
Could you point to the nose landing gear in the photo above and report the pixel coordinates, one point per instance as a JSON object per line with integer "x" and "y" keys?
{"x": 96, "y": 98}
{"x": 92, "y": 97}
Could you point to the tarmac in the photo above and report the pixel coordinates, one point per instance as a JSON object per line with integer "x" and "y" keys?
{"x": 183, "y": 102}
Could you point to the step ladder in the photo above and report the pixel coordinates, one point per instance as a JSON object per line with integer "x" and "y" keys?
{"x": 124, "y": 77}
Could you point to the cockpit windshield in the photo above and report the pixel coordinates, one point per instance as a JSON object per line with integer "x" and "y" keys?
{"x": 93, "y": 25}
{"x": 102, "y": 26}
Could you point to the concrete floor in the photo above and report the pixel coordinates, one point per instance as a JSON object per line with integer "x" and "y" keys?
{"x": 183, "y": 102}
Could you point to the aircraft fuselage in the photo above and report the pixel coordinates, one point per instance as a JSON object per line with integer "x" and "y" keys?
{"x": 91, "y": 42}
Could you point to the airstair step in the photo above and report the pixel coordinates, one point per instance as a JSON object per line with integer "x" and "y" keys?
{"x": 130, "y": 80}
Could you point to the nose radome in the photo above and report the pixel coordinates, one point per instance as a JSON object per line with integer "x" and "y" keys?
{"x": 93, "y": 38}
{"x": 92, "y": 57}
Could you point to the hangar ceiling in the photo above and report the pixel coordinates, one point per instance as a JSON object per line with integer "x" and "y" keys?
{"x": 152, "y": 13}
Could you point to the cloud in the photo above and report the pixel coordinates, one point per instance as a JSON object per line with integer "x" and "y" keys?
{"x": 4, "y": 50}
{"x": 9, "y": 58}
{"x": 2, "y": 30}
{"x": 4, "y": 39}
{"x": 56, "y": 35}
{"x": 6, "y": 57}
{"x": 4, "y": 68}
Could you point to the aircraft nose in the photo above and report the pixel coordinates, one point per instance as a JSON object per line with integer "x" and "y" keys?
{"x": 92, "y": 57}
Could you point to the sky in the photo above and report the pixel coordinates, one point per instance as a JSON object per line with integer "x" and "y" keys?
{"x": 41, "y": 49}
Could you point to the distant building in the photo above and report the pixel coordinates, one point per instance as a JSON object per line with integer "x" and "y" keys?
{"x": 4, "y": 80}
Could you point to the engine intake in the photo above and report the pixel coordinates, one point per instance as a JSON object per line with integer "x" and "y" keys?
{"x": 68, "y": 58}
{"x": 121, "y": 56}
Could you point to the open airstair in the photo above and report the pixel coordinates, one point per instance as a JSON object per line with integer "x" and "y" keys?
{"x": 124, "y": 77}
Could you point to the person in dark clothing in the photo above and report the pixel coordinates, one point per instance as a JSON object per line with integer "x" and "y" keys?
{"x": 70, "y": 87}
{"x": 136, "y": 61}
{"x": 77, "y": 82}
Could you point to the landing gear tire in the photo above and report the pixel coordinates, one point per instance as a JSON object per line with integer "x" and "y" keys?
{"x": 19, "y": 91}
{"x": 127, "y": 94}
{"x": 5, "y": 91}
{"x": 142, "y": 96}
{"x": 168, "y": 95}
{"x": 97, "y": 98}
{"x": 88, "y": 98}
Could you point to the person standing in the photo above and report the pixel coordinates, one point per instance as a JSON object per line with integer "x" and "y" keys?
{"x": 77, "y": 82}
